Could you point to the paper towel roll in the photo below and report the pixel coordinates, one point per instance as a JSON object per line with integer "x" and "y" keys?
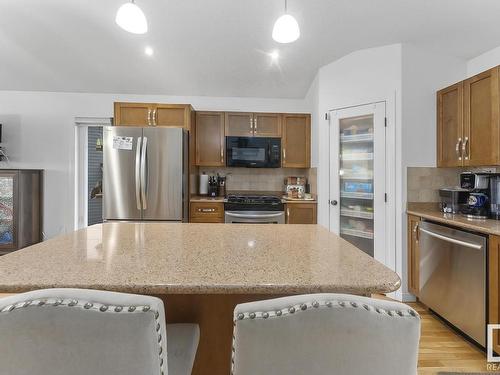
{"x": 203, "y": 184}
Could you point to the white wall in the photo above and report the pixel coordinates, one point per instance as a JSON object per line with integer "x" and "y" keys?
{"x": 406, "y": 77}
{"x": 423, "y": 73}
{"x": 39, "y": 132}
{"x": 361, "y": 77}
{"x": 483, "y": 62}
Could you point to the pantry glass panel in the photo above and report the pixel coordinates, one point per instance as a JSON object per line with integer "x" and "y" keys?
{"x": 356, "y": 181}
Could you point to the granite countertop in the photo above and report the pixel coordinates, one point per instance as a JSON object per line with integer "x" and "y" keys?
{"x": 430, "y": 212}
{"x": 175, "y": 258}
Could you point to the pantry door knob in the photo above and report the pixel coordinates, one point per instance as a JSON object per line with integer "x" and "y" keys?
{"x": 333, "y": 202}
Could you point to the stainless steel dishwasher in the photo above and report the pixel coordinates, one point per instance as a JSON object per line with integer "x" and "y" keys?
{"x": 453, "y": 277}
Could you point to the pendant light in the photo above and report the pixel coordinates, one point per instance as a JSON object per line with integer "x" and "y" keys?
{"x": 286, "y": 29}
{"x": 131, "y": 18}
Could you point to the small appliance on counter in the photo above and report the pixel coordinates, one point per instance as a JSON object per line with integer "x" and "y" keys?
{"x": 295, "y": 187}
{"x": 221, "y": 185}
{"x": 213, "y": 186}
{"x": 453, "y": 199}
{"x": 478, "y": 201}
{"x": 495, "y": 196}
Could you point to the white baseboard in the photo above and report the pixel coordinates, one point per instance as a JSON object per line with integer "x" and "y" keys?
{"x": 401, "y": 297}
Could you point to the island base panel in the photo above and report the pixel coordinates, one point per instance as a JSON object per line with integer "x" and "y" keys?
{"x": 214, "y": 314}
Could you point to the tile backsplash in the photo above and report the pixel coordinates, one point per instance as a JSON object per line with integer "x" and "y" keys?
{"x": 261, "y": 179}
{"x": 423, "y": 183}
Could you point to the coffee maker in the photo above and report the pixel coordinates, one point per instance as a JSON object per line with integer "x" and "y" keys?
{"x": 478, "y": 202}
{"x": 495, "y": 196}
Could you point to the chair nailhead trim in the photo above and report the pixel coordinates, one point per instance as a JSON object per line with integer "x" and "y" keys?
{"x": 87, "y": 306}
{"x": 316, "y": 304}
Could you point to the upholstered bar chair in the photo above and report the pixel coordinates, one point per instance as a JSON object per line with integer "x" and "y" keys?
{"x": 325, "y": 334}
{"x": 82, "y": 332}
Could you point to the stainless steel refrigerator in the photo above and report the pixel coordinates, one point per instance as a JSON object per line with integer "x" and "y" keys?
{"x": 145, "y": 174}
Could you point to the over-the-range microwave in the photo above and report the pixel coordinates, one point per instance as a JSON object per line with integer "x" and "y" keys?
{"x": 253, "y": 152}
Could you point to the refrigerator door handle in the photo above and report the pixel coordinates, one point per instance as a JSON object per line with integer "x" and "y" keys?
{"x": 144, "y": 172}
{"x": 137, "y": 173}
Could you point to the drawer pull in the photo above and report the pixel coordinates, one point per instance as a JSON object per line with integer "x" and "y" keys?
{"x": 206, "y": 209}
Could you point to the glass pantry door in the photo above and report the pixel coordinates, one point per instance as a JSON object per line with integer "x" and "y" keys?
{"x": 357, "y": 191}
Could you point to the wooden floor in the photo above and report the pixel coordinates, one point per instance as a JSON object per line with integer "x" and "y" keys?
{"x": 441, "y": 349}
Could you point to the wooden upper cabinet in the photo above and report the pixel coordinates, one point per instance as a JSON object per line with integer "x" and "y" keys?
{"x": 210, "y": 139}
{"x": 175, "y": 115}
{"x": 267, "y": 125}
{"x": 152, "y": 114}
{"x": 296, "y": 141}
{"x": 450, "y": 126}
{"x": 133, "y": 114}
{"x": 494, "y": 288}
{"x": 481, "y": 106}
{"x": 413, "y": 255}
{"x": 239, "y": 124}
{"x": 301, "y": 213}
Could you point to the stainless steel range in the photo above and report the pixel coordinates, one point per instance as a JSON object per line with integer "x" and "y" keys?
{"x": 254, "y": 209}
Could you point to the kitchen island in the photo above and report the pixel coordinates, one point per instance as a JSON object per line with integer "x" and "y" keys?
{"x": 201, "y": 271}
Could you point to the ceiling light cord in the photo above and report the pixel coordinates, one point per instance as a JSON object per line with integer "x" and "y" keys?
{"x": 286, "y": 6}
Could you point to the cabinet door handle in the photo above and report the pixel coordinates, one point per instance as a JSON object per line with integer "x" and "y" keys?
{"x": 288, "y": 212}
{"x": 149, "y": 117}
{"x": 458, "y": 146}
{"x": 465, "y": 148}
{"x": 415, "y": 230}
{"x": 284, "y": 154}
{"x": 251, "y": 124}
{"x": 222, "y": 154}
{"x": 154, "y": 117}
{"x": 255, "y": 125}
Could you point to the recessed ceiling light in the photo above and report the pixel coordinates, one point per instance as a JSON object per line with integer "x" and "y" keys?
{"x": 286, "y": 29}
{"x": 274, "y": 55}
{"x": 131, "y": 18}
{"x": 149, "y": 51}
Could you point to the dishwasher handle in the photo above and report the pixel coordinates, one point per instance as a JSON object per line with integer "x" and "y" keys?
{"x": 452, "y": 240}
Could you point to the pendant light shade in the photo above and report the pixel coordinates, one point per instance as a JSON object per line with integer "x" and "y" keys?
{"x": 286, "y": 29}
{"x": 131, "y": 18}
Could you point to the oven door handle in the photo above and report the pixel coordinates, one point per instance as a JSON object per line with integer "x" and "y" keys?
{"x": 265, "y": 216}
{"x": 452, "y": 240}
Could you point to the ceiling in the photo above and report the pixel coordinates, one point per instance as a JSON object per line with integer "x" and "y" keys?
{"x": 219, "y": 47}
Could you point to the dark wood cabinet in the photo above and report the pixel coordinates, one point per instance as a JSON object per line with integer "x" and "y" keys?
{"x": 296, "y": 141}
{"x": 20, "y": 208}
{"x": 413, "y": 255}
{"x": 301, "y": 213}
{"x": 210, "y": 139}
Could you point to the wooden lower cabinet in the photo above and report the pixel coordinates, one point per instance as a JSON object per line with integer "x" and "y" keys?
{"x": 413, "y": 255}
{"x": 206, "y": 212}
{"x": 301, "y": 213}
{"x": 494, "y": 287}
